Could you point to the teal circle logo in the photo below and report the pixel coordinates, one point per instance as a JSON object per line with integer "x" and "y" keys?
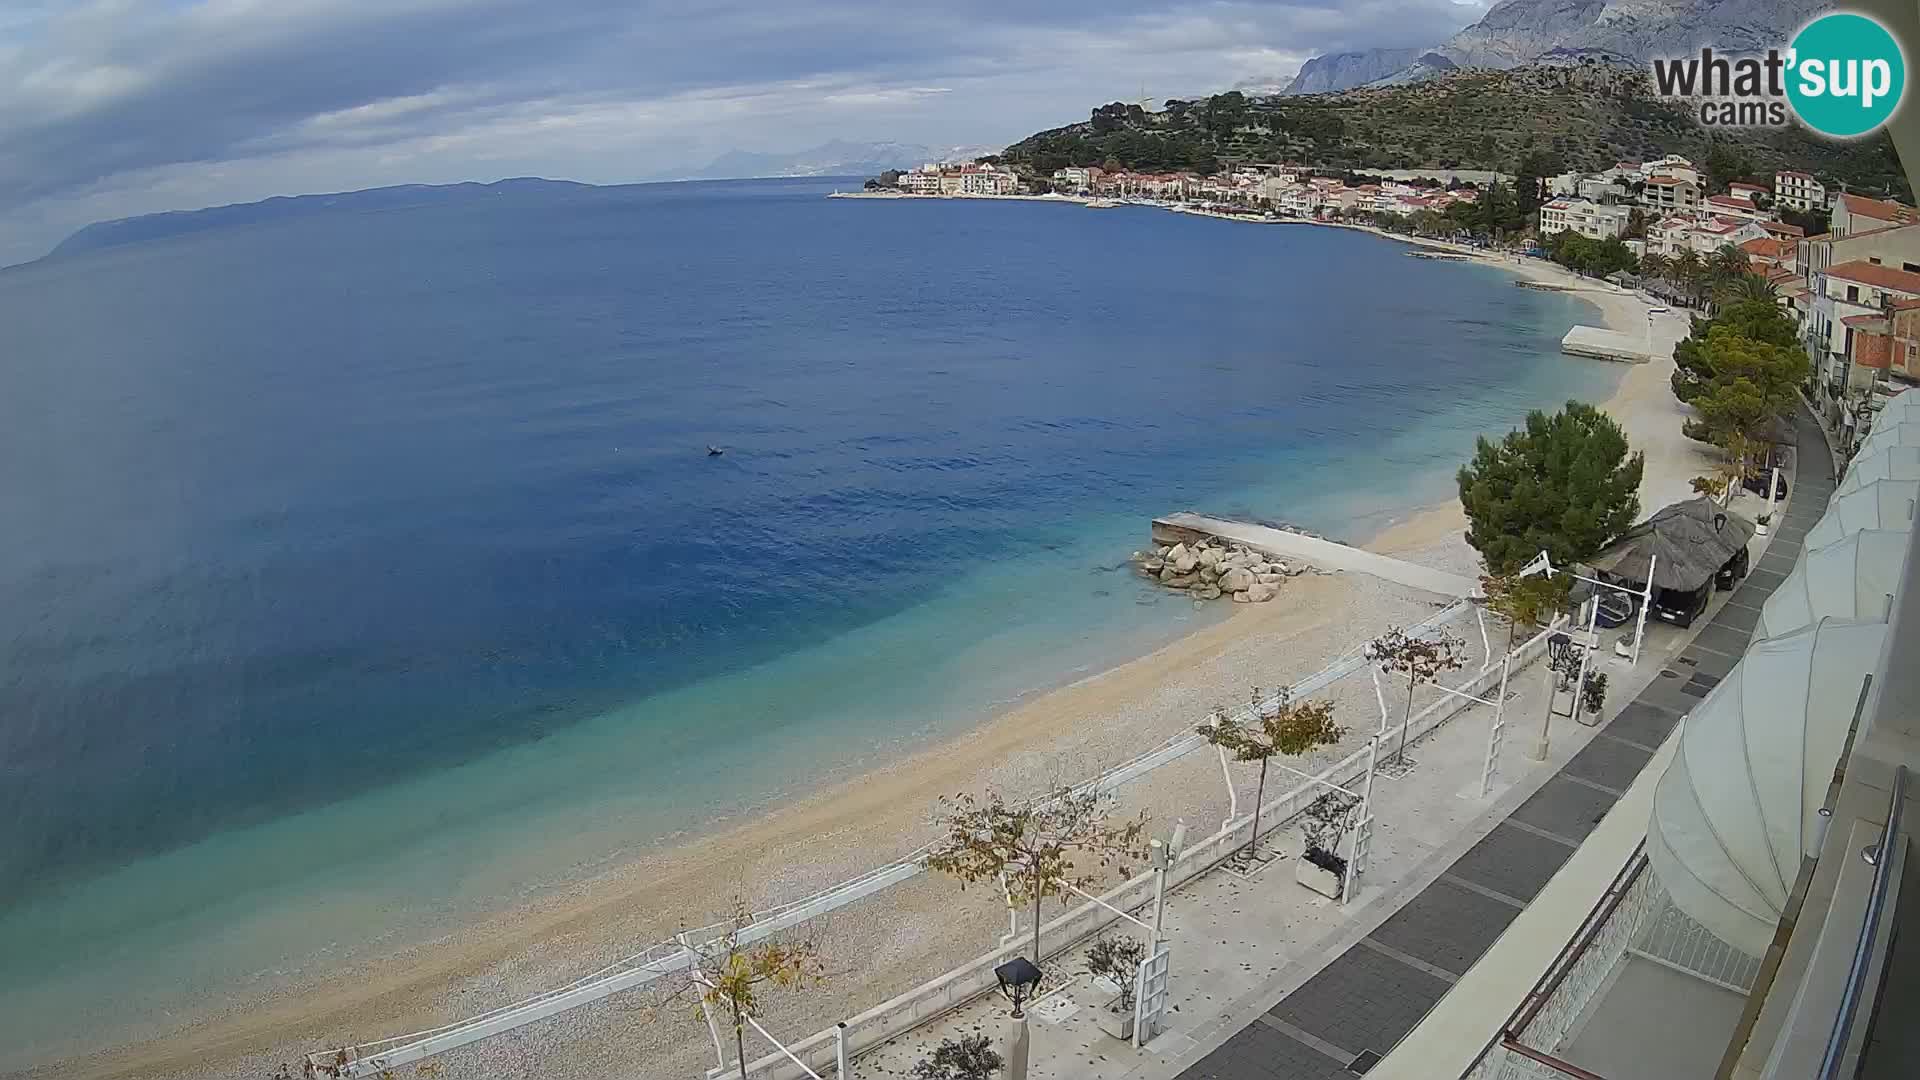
{"x": 1846, "y": 75}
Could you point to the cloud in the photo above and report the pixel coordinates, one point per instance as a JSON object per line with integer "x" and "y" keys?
{"x": 115, "y": 106}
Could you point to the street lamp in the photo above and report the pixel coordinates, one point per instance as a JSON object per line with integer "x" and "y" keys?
{"x": 1559, "y": 647}
{"x": 1019, "y": 978}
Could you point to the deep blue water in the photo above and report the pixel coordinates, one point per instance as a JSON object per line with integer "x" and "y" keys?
{"x": 381, "y": 552}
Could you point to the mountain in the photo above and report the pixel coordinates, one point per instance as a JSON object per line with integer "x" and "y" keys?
{"x": 1517, "y": 32}
{"x": 1583, "y": 115}
{"x": 836, "y": 158}
{"x": 1343, "y": 70}
{"x": 104, "y": 234}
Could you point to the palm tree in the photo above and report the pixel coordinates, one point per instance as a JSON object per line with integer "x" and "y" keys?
{"x": 1726, "y": 263}
{"x": 1686, "y": 272}
{"x": 1654, "y": 266}
{"x": 1748, "y": 286}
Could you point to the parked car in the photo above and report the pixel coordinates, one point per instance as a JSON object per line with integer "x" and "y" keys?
{"x": 1758, "y": 485}
{"x": 1680, "y": 608}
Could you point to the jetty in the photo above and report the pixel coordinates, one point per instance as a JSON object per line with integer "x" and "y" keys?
{"x": 1186, "y": 527}
{"x": 1605, "y": 345}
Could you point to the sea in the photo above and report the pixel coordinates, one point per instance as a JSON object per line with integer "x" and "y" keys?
{"x": 364, "y": 569}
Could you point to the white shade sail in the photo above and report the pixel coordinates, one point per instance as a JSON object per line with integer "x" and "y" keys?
{"x": 1882, "y": 504}
{"x": 1889, "y": 433}
{"x": 1851, "y": 578}
{"x": 1739, "y": 804}
{"x": 1888, "y": 463}
{"x": 1904, "y": 405}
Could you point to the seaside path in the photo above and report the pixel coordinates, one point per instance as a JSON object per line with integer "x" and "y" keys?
{"x": 1350, "y": 1012}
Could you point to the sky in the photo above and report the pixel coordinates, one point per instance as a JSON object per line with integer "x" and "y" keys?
{"x": 112, "y": 108}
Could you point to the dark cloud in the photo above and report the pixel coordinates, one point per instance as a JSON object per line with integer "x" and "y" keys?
{"x": 116, "y": 105}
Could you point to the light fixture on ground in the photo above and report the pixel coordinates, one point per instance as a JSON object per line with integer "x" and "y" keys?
{"x": 1019, "y": 980}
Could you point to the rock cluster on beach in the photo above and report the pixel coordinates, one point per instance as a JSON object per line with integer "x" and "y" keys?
{"x": 1209, "y": 568}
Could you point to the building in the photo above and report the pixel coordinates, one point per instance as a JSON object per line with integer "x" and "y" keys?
{"x": 1600, "y": 189}
{"x": 1670, "y": 195}
{"x": 1671, "y": 167}
{"x": 1748, "y": 192}
{"x": 1674, "y": 234}
{"x": 1767, "y": 254}
{"x": 922, "y": 181}
{"x": 1077, "y": 177}
{"x": 1798, "y": 190}
{"x": 1854, "y": 214}
{"x": 1840, "y": 294}
{"x": 1732, "y": 206}
{"x": 1586, "y": 218}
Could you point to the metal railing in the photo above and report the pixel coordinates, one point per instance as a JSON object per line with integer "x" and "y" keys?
{"x": 1883, "y": 863}
{"x": 1547, "y": 1014}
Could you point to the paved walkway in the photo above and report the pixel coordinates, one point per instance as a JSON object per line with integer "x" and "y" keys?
{"x": 1341, "y": 1021}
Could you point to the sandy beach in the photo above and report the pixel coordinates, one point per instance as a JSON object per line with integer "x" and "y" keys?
{"x": 895, "y": 940}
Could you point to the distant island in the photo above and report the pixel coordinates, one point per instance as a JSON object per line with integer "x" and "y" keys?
{"x": 133, "y": 230}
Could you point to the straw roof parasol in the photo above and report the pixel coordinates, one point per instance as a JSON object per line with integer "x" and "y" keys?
{"x": 1689, "y": 545}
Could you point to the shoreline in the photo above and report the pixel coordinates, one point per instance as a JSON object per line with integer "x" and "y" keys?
{"x": 851, "y": 823}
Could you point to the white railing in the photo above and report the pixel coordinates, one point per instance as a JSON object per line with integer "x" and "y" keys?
{"x": 961, "y": 984}
{"x": 949, "y": 991}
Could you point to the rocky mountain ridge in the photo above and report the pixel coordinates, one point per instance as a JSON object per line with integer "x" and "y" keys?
{"x": 1518, "y": 32}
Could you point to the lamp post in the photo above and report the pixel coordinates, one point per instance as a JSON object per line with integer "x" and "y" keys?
{"x": 1019, "y": 979}
{"x": 1559, "y": 647}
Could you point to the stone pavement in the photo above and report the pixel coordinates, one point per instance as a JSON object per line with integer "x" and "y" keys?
{"x": 1343, "y": 1019}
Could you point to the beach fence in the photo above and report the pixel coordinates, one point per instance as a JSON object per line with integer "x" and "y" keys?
{"x": 958, "y": 986}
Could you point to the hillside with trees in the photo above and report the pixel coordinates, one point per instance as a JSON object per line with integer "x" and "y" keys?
{"x": 1580, "y": 116}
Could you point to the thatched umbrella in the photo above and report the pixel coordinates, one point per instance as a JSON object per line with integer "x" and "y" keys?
{"x": 1687, "y": 543}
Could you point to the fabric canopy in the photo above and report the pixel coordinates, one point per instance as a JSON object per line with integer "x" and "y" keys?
{"x": 1888, "y": 463}
{"x": 1885, "y": 434}
{"x": 1904, "y": 405}
{"x": 1882, "y": 504}
{"x": 1852, "y": 578}
{"x": 1682, "y": 541}
{"x": 1739, "y": 804}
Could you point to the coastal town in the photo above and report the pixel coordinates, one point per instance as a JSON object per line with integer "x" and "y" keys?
{"x": 1845, "y": 265}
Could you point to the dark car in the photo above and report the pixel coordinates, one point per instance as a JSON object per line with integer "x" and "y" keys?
{"x": 1758, "y": 485}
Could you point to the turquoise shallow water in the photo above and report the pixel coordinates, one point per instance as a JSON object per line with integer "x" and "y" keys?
{"x": 371, "y": 570}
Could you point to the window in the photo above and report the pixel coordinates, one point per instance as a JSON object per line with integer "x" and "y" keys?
{"x": 1853, "y": 293}
{"x": 1874, "y": 259}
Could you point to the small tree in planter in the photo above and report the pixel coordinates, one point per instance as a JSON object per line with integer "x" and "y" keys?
{"x": 1593, "y": 696}
{"x": 1117, "y": 960}
{"x": 1291, "y": 729}
{"x": 1032, "y": 846}
{"x": 1529, "y": 600}
{"x": 970, "y": 1057}
{"x": 729, "y": 976}
{"x": 1421, "y": 660}
{"x": 1322, "y": 825}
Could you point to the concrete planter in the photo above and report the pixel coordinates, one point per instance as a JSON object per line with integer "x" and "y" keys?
{"x": 1316, "y": 877}
{"x": 1114, "y": 1020}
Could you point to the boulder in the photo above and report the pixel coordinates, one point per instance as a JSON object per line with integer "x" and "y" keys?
{"x": 1153, "y": 566}
{"x": 1209, "y": 556}
{"x": 1257, "y": 567}
{"x": 1237, "y": 579}
{"x": 1210, "y": 574}
{"x": 1239, "y": 598}
{"x": 1180, "y": 581}
{"x": 1167, "y": 573}
{"x": 1270, "y": 579}
{"x": 1260, "y": 594}
{"x": 1183, "y": 560}
{"x": 1207, "y": 592}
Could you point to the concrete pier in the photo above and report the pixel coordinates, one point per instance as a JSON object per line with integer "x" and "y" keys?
{"x": 1184, "y": 527}
{"x": 1605, "y": 344}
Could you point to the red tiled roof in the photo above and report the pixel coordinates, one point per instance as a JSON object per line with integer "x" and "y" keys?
{"x": 1880, "y": 277}
{"x": 1857, "y": 321}
{"x": 1783, "y": 229}
{"x": 1876, "y": 208}
{"x": 1665, "y": 181}
{"x": 1729, "y": 200}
